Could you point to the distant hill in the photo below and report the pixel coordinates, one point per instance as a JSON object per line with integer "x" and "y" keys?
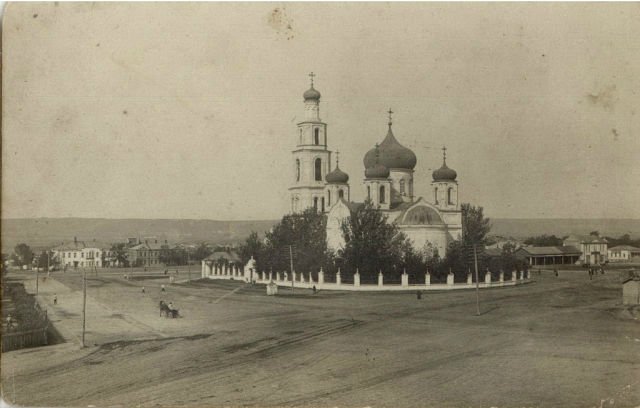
{"x": 526, "y": 227}
{"x": 43, "y": 232}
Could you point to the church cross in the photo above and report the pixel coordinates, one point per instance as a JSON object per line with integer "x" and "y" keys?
{"x": 337, "y": 157}
{"x": 311, "y": 75}
{"x": 444, "y": 152}
{"x": 390, "y": 112}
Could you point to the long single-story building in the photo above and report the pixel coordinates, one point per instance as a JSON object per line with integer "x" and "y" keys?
{"x": 549, "y": 255}
{"x": 624, "y": 253}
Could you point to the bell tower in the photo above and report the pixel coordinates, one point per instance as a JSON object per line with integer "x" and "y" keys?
{"x": 311, "y": 158}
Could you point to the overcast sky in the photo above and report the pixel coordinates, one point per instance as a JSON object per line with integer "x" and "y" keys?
{"x": 165, "y": 110}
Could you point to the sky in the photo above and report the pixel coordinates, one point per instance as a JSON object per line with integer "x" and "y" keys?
{"x": 189, "y": 110}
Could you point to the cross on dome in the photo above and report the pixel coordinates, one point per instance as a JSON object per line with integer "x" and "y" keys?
{"x": 311, "y": 75}
{"x": 444, "y": 153}
{"x": 337, "y": 157}
{"x": 390, "y": 112}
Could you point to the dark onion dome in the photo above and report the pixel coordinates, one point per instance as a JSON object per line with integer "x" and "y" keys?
{"x": 377, "y": 171}
{"x": 444, "y": 173}
{"x": 337, "y": 176}
{"x": 392, "y": 154}
{"x": 311, "y": 94}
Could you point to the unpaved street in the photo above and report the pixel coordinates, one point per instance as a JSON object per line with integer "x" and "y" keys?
{"x": 558, "y": 342}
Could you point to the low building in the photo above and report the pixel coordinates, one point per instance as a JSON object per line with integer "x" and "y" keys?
{"x": 592, "y": 247}
{"x": 624, "y": 253}
{"x": 549, "y": 255}
{"x": 78, "y": 254}
{"x": 148, "y": 253}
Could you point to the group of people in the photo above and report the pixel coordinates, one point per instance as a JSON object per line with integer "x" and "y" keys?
{"x": 594, "y": 271}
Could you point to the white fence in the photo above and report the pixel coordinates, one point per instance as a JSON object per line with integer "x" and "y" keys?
{"x": 247, "y": 274}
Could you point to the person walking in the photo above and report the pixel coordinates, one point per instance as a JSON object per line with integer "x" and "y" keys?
{"x": 55, "y": 299}
{"x": 419, "y": 295}
{"x": 162, "y": 288}
{"x": 143, "y": 289}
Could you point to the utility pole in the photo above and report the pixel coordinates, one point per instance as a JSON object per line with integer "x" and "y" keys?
{"x": 293, "y": 276}
{"x": 189, "y": 266}
{"x": 475, "y": 260}
{"x": 84, "y": 302}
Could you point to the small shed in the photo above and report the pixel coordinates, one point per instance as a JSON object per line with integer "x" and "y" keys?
{"x": 272, "y": 288}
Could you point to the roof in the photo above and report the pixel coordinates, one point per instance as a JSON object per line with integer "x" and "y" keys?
{"x": 586, "y": 239}
{"x": 551, "y": 250}
{"x": 418, "y": 212}
{"x": 393, "y": 155}
{"x": 493, "y": 251}
{"x": 151, "y": 246}
{"x": 229, "y": 256}
{"x": 624, "y": 248}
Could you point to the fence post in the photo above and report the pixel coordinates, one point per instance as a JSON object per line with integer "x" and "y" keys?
{"x": 501, "y": 276}
{"x": 321, "y": 277}
{"x": 338, "y": 278}
{"x": 487, "y": 277}
{"x": 356, "y": 278}
{"x": 427, "y": 279}
{"x": 380, "y": 279}
{"x": 469, "y": 279}
{"x": 405, "y": 279}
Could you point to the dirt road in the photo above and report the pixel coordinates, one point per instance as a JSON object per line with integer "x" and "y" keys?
{"x": 559, "y": 342}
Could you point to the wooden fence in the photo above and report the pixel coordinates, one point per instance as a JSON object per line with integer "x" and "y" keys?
{"x": 23, "y": 339}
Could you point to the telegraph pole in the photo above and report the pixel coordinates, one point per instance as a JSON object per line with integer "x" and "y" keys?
{"x": 475, "y": 260}
{"x": 293, "y": 276}
{"x": 84, "y": 302}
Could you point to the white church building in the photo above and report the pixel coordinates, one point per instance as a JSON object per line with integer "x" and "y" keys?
{"x": 388, "y": 182}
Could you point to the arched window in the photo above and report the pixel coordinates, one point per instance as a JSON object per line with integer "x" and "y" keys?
{"x": 318, "y": 170}
{"x": 435, "y": 193}
{"x": 382, "y": 194}
{"x": 322, "y": 203}
{"x": 297, "y": 169}
{"x": 329, "y": 198}
{"x": 411, "y": 187}
{"x": 315, "y": 203}
{"x": 316, "y": 136}
{"x": 401, "y": 187}
{"x": 300, "y": 142}
{"x": 449, "y": 195}
{"x": 369, "y": 192}
{"x": 341, "y": 193}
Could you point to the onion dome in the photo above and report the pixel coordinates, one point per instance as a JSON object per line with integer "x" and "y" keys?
{"x": 377, "y": 170}
{"x": 311, "y": 94}
{"x": 444, "y": 173}
{"x": 392, "y": 154}
{"x": 337, "y": 176}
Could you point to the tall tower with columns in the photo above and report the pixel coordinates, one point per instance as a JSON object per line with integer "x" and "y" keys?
{"x": 311, "y": 158}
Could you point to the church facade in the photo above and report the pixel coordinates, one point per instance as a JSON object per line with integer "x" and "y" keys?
{"x": 388, "y": 182}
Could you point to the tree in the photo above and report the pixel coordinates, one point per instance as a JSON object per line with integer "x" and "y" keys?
{"x": 120, "y": 254}
{"x": 544, "y": 240}
{"x": 373, "y": 244}
{"x": 252, "y": 247}
{"x": 306, "y": 233}
{"x": 475, "y": 226}
{"x": 22, "y": 255}
{"x": 47, "y": 260}
{"x": 201, "y": 252}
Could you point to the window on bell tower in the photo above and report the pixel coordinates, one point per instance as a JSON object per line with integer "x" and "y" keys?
{"x": 316, "y": 136}
{"x": 449, "y": 195}
{"x": 297, "y": 169}
{"x": 382, "y": 194}
{"x": 435, "y": 193}
{"x": 401, "y": 187}
{"x": 318, "y": 169}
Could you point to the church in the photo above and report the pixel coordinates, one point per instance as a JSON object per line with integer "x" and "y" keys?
{"x": 388, "y": 182}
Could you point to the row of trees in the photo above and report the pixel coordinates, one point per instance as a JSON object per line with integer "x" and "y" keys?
{"x": 372, "y": 244}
